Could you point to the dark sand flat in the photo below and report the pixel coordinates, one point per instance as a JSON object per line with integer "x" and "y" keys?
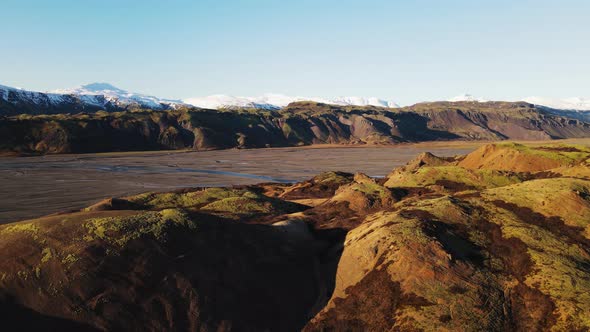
{"x": 36, "y": 186}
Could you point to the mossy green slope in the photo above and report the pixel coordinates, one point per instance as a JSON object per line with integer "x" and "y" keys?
{"x": 220, "y": 200}
{"x": 168, "y": 269}
{"x": 506, "y": 250}
{"x": 498, "y": 240}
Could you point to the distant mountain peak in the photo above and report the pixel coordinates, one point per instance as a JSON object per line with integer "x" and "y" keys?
{"x": 118, "y": 96}
{"x": 94, "y": 89}
{"x": 103, "y": 95}
{"x": 467, "y": 97}
{"x": 100, "y": 87}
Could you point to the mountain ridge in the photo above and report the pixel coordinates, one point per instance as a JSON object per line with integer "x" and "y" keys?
{"x": 117, "y": 95}
{"x": 299, "y": 123}
{"x": 100, "y": 94}
{"x": 86, "y": 98}
{"x": 115, "y": 120}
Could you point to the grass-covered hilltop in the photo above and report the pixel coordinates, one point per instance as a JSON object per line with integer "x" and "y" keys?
{"x": 497, "y": 240}
{"x": 300, "y": 123}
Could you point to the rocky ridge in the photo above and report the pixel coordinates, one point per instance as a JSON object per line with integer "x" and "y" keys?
{"x": 302, "y": 123}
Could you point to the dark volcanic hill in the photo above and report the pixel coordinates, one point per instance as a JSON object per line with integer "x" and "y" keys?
{"x": 497, "y": 240}
{"x": 301, "y": 123}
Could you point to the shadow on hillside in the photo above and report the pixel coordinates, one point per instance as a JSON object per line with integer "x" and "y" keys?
{"x": 414, "y": 127}
{"x": 16, "y": 317}
{"x": 216, "y": 275}
{"x": 262, "y": 277}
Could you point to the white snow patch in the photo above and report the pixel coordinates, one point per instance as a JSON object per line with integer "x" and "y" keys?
{"x": 570, "y": 104}
{"x": 467, "y": 97}
{"x": 275, "y": 101}
{"x": 101, "y": 93}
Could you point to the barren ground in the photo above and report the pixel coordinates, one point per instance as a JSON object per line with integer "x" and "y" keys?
{"x": 35, "y": 186}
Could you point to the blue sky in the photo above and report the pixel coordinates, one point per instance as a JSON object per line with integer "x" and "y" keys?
{"x": 406, "y": 51}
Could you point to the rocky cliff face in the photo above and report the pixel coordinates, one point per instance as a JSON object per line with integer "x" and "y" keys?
{"x": 497, "y": 240}
{"x": 301, "y": 123}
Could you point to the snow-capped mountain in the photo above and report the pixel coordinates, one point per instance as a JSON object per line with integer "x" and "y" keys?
{"x": 467, "y": 97}
{"x": 20, "y": 96}
{"x": 96, "y": 96}
{"x": 572, "y": 104}
{"x": 569, "y": 104}
{"x": 86, "y": 98}
{"x": 117, "y": 96}
{"x": 221, "y": 101}
{"x": 361, "y": 101}
{"x": 105, "y": 95}
{"x": 276, "y": 101}
{"x": 575, "y": 107}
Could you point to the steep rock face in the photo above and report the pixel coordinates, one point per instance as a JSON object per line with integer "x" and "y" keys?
{"x": 500, "y": 120}
{"x": 302, "y": 123}
{"x": 125, "y": 132}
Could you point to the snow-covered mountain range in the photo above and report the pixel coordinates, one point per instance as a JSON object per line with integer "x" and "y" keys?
{"x": 575, "y": 107}
{"x": 569, "y": 104}
{"x": 20, "y": 96}
{"x": 104, "y": 95}
{"x": 276, "y": 101}
{"x": 117, "y": 96}
{"x": 573, "y": 104}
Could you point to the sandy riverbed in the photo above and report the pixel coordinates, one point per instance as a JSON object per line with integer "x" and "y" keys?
{"x": 35, "y": 186}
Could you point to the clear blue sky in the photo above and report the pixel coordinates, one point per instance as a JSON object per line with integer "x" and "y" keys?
{"x": 402, "y": 50}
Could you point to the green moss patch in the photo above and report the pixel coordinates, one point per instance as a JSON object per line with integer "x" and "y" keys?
{"x": 121, "y": 230}
{"x": 566, "y": 154}
{"x": 441, "y": 175}
{"x": 239, "y": 201}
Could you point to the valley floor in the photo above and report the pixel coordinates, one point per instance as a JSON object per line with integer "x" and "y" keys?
{"x": 35, "y": 186}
